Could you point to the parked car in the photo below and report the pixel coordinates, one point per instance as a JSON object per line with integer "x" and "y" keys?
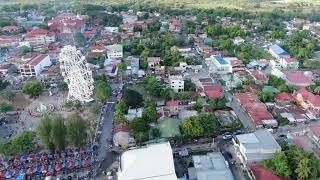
{"x": 228, "y": 136}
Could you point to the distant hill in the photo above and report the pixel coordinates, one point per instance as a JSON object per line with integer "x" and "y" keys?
{"x": 251, "y": 5}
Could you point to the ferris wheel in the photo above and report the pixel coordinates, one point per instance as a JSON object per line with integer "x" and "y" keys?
{"x": 76, "y": 74}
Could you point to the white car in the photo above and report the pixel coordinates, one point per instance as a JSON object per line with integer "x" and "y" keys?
{"x": 227, "y": 136}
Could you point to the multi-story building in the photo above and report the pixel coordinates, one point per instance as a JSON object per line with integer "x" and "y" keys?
{"x": 176, "y": 83}
{"x": 35, "y": 66}
{"x": 257, "y": 146}
{"x": 38, "y": 37}
{"x": 67, "y": 23}
{"x": 219, "y": 65}
{"x": 289, "y": 63}
{"x": 114, "y": 51}
{"x": 153, "y": 62}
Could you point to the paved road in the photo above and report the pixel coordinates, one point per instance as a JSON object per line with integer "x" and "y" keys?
{"x": 243, "y": 117}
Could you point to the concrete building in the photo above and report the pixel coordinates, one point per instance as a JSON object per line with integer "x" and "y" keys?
{"x": 38, "y": 37}
{"x": 277, "y": 52}
{"x": 254, "y": 147}
{"x": 176, "y": 83}
{"x": 210, "y": 167}
{"x": 289, "y": 63}
{"x": 114, "y": 51}
{"x": 219, "y": 65}
{"x": 153, "y": 62}
{"x": 35, "y": 66}
{"x": 153, "y": 162}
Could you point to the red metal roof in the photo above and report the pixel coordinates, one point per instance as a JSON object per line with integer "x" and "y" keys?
{"x": 214, "y": 94}
{"x": 315, "y": 129}
{"x": 121, "y": 128}
{"x": 310, "y": 97}
{"x": 37, "y": 59}
{"x": 284, "y": 97}
{"x": 172, "y": 103}
{"x": 262, "y": 173}
{"x": 40, "y": 32}
{"x": 212, "y": 88}
{"x": 290, "y": 60}
{"x": 297, "y": 77}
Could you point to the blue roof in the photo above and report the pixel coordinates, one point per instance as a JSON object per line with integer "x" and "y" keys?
{"x": 220, "y": 60}
{"x": 278, "y": 50}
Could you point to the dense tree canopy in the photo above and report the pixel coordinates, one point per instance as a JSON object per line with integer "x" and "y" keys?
{"x": 21, "y": 144}
{"x": 198, "y": 126}
{"x": 32, "y": 88}
{"x": 102, "y": 90}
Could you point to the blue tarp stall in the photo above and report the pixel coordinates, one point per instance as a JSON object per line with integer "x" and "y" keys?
{"x": 89, "y": 149}
{"x": 78, "y": 163}
{"x": 65, "y": 165}
{"x": 51, "y": 168}
{"x": 37, "y": 170}
{"x": 9, "y": 174}
{"x": 20, "y": 177}
{"x": 83, "y": 174}
{"x": 23, "y": 158}
{"x": 75, "y": 152}
{"x": 50, "y": 156}
{"x": 63, "y": 154}
{"x": 23, "y": 172}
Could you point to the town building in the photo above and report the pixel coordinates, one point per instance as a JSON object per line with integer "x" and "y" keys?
{"x": 9, "y": 41}
{"x": 138, "y": 163}
{"x": 258, "y": 76}
{"x": 114, "y": 51}
{"x": 289, "y": 63}
{"x": 219, "y": 65}
{"x": 67, "y": 23}
{"x": 121, "y": 136}
{"x": 209, "y": 167}
{"x": 277, "y": 52}
{"x": 254, "y": 147}
{"x": 153, "y": 62}
{"x": 176, "y": 83}
{"x": 307, "y": 99}
{"x": 35, "y": 66}
{"x": 38, "y": 37}
{"x": 238, "y": 40}
{"x": 298, "y": 78}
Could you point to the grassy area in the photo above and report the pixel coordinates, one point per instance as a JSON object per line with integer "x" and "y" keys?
{"x": 251, "y": 5}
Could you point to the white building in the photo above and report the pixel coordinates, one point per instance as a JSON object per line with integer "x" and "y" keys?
{"x": 238, "y": 40}
{"x": 154, "y": 162}
{"x": 289, "y": 63}
{"x": 38, "y": 37}
{"x": 254, "y": 147}
{"x": 35, "y": 66}
{"x": 210, "y": 167}
{"x": 218, "y": 64}
{"x": 114, "y": 51}
{"x": 111, "y": 29}
{"x": 176, "y": 83}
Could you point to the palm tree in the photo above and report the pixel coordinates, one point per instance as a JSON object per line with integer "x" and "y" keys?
{"x": 317, "y": 90}
{"x": 303, "y": 170}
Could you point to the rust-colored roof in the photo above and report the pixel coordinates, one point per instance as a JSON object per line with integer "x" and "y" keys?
{"x": 262, "y": 173}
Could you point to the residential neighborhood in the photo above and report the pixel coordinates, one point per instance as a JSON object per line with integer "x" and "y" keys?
{"x": 145, "y": 91}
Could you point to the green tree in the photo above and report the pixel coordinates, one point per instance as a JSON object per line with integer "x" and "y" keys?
{"x": 132, "y": 98}
{"x": 44, "y": 132}
{"x": 152, "y": 85}
{"x": 102, "y": 91}
{"x": 278, "y": 164}
{"x": 191, "y": 127}
{"x": 155, "y": 133}
{"x": 3, "y": 84}
{"x": 21, "y": 144}
{"x": 189, "y": 85}
{"x": 5, "y": 107}
{"x": 76, "y": 130}
{"x": 143, "y": 64}
{"x": 217, "y": 103}
{"x": 58, "y": 133}
{"x": 304, "y": 169}
{"x": 167, "y": 93}
{"x": 265, "y": 97}
{"x": 7, "y": 94}
{"x": 79, "y": 39}
{"x": 149, "y": 114}
{"x": 32, "y": 88}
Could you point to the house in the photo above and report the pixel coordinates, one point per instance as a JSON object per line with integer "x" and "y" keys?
{"x": 133, "y": 113}
{"x": 254, "y": 147}
{"x": 213, "y": 91}
{"x": 111, "y": 29}
{"x": 210, "y": 167}
{"x": 307, "y": 99}
{"x": 284, "y": 97}
{"x": 153, "y": 62}
{"x": 182, "y": 49}
{"x": 67, "y": 23}
{"x": 138, "y": 163}
{"x": 114, "y": 51}
{"x": 314, "y": 134}
{"x": 258, "y": 76}
{"x": 6, "y": 69}
{"x": 261, "y": 173}
{"x": 298, "y": 78}
{"x": 10, "y": 28}
{"x": 35, "y": 66}
{"x": 96, "y": 51}
{"x": 176, "y": 83}
{"x": 121, "y": 136}
{"x": 38, "y": 37}
{"x": 219, "y": 65}
{"x": 289, "y": 63}
{"x": 9, "y": 41}
{"x": 173, "y": 107}
{"x": 134, "y": 62}
{"x": 277, "y": 52}
{"x": 238, "y": 40}
{"x": 175, "y": 26}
